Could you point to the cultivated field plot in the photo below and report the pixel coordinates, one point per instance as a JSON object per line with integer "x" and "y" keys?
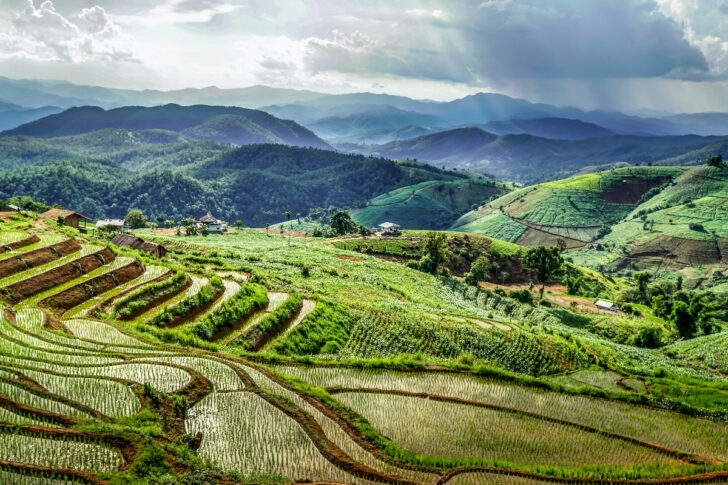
{"x": 244, "y": 433}
{"x": 54, "y": 453}
{"x": 416, "y": 424}
{"x": 675, "y": 431}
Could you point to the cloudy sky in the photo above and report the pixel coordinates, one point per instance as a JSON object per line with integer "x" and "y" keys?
{"x": 620, "y": 54}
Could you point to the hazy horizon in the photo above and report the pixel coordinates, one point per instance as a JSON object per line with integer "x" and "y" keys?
{"x": 667, "y": 55}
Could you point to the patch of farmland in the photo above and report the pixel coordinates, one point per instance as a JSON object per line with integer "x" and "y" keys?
{"x": 490, "y": 222}
{"x": 102, "y": 333}
{"x": 22, "y": 396}
{"x": 113, "y": 265}
{"x": 45, "y": 240}
{"x": 107, "y": 397}
{"x": 700, "y": 436}
{"x": 85, "y": 251}
{"x": 8, "y": 330}
{"x": 197, "y": 283}
{"x": 58, "y": 453}
{"x": 222, "y": 376}
{"x": 307, "y": 306}
{"x": 12, "y": 349}
{"x": 31, "y": 320}
{"x": 162, "y": 378}
{"x": 151, "y": 272}
{"x": 469, "y": 431}
{"x": 708, "y": 350}
{"x": 9, "y": 417}
{"x": 244, "y": 433}
{"x": 336, "y": 434}
{"x": 26, "y": 478}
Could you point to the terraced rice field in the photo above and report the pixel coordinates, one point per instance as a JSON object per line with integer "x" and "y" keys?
{"x": 66, "y": 380}
{"x": 275, "y": 299}
{"x": 197, "y": 283}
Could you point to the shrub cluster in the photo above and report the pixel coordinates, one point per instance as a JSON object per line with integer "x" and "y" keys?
{"x": 324, "y": 331}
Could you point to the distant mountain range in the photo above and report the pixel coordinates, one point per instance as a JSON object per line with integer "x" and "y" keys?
{"x": 12, "y": 115}
{"x": 529, "y": 159}
{"x": 238, "y": 126}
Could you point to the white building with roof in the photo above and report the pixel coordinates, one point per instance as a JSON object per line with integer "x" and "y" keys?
{"x": 606, "y": 305}
{"x": 388, "y": 228}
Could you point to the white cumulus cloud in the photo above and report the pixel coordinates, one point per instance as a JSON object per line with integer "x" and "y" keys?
{"x": 42, "y": 33}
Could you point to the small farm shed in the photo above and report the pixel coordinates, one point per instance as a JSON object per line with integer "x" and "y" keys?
{"x": 388, "y": 229}
{"x": 606, "y": 305}
{"x": 213, "y": 223}
{"x": 13, "y": 208}
{"x": 70, "y": 218}
{"x": 132, "y": 242}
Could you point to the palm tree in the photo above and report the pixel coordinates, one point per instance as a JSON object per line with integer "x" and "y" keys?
{"x": 290, "y": 227}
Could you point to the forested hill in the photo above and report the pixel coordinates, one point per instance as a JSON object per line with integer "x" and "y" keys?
{"x": 255, "y": 183}
{"x": 233, "y": 125}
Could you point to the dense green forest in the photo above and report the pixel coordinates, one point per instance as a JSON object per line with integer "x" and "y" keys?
{"x": 255, "y": 183}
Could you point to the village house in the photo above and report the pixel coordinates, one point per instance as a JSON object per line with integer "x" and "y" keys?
{"x": 213, "y": 224}
{"x": 606, "y": 305}
{"x": 133, "y": 242}
{"x": 389, "y": 229}
{"x": 70, "y": 218}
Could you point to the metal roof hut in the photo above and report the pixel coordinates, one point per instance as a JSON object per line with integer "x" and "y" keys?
{"x": 606, "y": 305}
{"x": 389, "y": 228}
{"x": 133, "y": 242}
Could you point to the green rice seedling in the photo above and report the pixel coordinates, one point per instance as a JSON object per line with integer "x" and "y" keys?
{"x": 12, "y": 349}
{"x": 7, "y": 237}
{"x": 336, "y": 434}
{"x": 456, "y": 430}
{"x": 143, "y": 296}
{"x": 222, "y": 376}
{"x": 20, "y": 395}
{"x": 102, "y": 333}
{"x": 107, "y": 397}
{"x": 244, "y": 433}
{"x": 9, "y": 417}
{"x": 31, "y": 320}
{"x": 689, "y": 434}
{"x": 16, "y": 477}
{"x": 74, "y": 454}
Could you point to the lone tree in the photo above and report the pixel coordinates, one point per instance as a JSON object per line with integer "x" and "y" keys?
{"x": 238, "y": 223}
{"x": 683, "y": 320}
{"x": 436, "y": 252}
{"x": 479, "y": 271}
{"x": 546, "y": 261}
{"x": 290, "y": 227}
{"x": 135, "y": 219}
{"x": 342, "y": 223}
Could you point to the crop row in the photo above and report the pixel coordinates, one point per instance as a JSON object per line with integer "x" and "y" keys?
{"x": 14, "y": 476}
{"x": 102, "y": 333}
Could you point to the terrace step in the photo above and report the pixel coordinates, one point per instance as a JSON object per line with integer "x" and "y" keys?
{"x": 81, "y": 292}
{"x": 37, "y": 257}
{"x": 26, "y": 241}
{"x": 61, "y": 274}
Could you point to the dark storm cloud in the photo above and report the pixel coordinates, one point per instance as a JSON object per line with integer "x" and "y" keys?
{"x": 491, "y": 40}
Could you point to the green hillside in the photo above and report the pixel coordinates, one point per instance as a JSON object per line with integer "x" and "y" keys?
{"x": 681, "y": 231}
{"x": 574, "y": 209}
{"x": 428, "y": 205}
{"x": 255, "y": 183}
